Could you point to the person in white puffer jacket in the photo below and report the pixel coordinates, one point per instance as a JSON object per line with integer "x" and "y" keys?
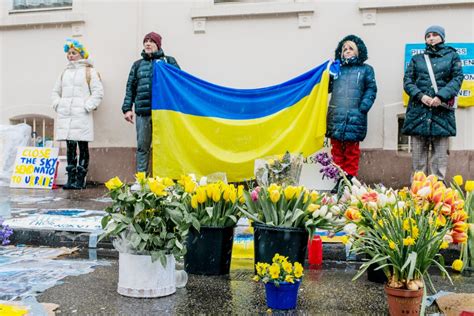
{"x": 76, "y": 94}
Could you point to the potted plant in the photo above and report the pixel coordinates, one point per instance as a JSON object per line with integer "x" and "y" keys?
{"x": 214, "y": 207}
{"x": 283, "y": 218}
{"x": 403, "y": 237}
{"x": 462, "y": 233}
{"x": 148, "y": 233}
{"x": 282, "y": 280}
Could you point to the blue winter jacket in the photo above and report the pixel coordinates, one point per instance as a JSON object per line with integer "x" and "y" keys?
{"x": 353, "y": 94}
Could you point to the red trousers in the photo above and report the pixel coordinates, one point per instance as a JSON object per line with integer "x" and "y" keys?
{"x": 346, "y": 155}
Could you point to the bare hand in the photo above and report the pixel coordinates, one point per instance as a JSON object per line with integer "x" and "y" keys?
{"x": 426, "y": 100}
{"x": 128, "y": 116}
{"x": 435, "y": 102}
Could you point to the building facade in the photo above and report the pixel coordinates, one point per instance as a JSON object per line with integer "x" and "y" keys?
{"x": 242, "y": 44}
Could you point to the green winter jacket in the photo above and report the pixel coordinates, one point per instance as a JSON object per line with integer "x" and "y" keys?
{"x": 422, "y": 120}
{"x": 138, "y": 89}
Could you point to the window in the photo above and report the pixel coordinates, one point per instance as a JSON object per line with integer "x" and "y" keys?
{"x": 40, "y": 4}
{"x": 404, "y": 141}
{"x": 249, "y": 1}
{"x": 42, "y": 128}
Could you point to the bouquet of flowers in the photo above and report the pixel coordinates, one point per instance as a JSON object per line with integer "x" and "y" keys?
{"x": 465, "y": 233}
{"x": 5, "y": 233}
{"x": 290, "y": 206}
{"x": 403, "y": 231}
{"x": 145, "y": 222}
{"x": 280, "y": 271}
{"x": 282, "y": 169}
{"x": 213, "y": 204}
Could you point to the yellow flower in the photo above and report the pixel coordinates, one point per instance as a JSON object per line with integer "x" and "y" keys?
{"x": 408, "y": 241}
{"x": 415, "y": 232}
{"x": 380, "y": 222}
{"x": 201, "y": 195}
{"x": 216, "y": 194}
{"x": 313, "y": 207}
{"x": 288, "y": 267}
{"x": 298, "y": 268}
{"x": 233, "y": 195}
{"x": 289, "y": 192}
{"x": 444, "y": 245}
{"x": 194, "y": 201}
{"x": 270, "y": 162}
{"x": 289, "y": 278}
{"x": 306, "y": 196}
{"x": 314, "y": 196}
{"x": 384, "y": 237}
{"x": 345, "y": 239}
{"x": 274, "y": 271}
{"x": 256, "y": 278}
{"x": 240, "y": 193}
{"x": 141, "y": 177}
{"x": 406, "y": 223}
{"x": 273, "y": 187}
{"x": 469, "y": 186}
{"x": 168, "y": 182}
{"x": 189, "y": 186}
{"x": 458, "y": 179}
{"x": 226, "y": 194}
{"x": 114, "y": 184}
{"x": 275, "y": 196}
{"x": 457, "y": 265}
{"x": 157, "y": 187}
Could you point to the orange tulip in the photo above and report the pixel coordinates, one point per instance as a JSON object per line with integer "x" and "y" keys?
{"x": 459, "y": 216}
{"x": 438, "y": 185}
{"x": 419, "y": 176}
{"x": 415, "y": 186}
{"x": 446, "y": 209}
{"x": 352, "y": 214}
{"x": 459, "y": 237}
{"x": 369, "y": 197}
{"x": 449, "y": 196}
{"x": 438, "y": 195}
{"x": 460, "y": 227}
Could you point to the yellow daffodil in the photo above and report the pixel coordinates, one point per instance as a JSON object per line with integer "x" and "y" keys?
{"x": 274, "y": 271}
{"x": 275, "y": 196}
{"x": 415, "y": 232}
{"x": 457, "y": 265}
{"x": 141, "y": 177}
{"x": 407, "y": 223}
{"x": 392, "y": 245}
{"x": 469, "y": 186}
{"x": 458, "y": 179}
{"x": 444, "y": 245}
{"x": 194, "y": 201}
{"x": 114, "y": 184}
{"x": 298, "y": 269}
{"x": 409, "y": 241}
{"x": 314, "y": 196}
{"x": 380, "y": 222}
{"x": 384, "y": 237}
{"x": 289, "y": 278}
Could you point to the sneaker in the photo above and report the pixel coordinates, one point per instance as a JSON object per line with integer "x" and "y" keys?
{"x": 135, "y": 187}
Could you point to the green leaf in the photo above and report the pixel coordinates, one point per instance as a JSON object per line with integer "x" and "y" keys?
{"x": 178, "y": 244}
{"x": 105, "y": 220}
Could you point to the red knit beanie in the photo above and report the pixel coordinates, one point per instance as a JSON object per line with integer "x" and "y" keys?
{"x": 155, "y": 37}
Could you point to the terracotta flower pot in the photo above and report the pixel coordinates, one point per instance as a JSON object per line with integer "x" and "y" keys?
{"x": 403, "y": 302}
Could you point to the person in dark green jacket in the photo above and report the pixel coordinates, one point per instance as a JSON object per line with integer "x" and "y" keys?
{"x": 138, "y": 94}
{"x": 429, "y": 118}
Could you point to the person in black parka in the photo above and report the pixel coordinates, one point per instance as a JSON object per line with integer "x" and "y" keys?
{"x": 353, "y": 94}
{"x": 138, "y": 93}
{"x": 429, "y": 118}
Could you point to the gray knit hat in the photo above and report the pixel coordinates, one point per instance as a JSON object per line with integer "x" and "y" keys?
{"x": 436, "y": 29}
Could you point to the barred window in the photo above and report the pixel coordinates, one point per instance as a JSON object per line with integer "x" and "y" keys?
{"x": 40, "y": 4}
{"x": 42, "y": 128}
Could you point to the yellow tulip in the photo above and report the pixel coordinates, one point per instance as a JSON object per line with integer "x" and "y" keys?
{"x": 156, "y": 187}
{"x": 216, "y": 194}
{"x": 457, "y": 265}
{"x": 458, "y": 179}
{"x": 275, "y": 196}
{"x": 469, "y": 186}
{"x": 313, "y": 207}
{"x": 141, "y": 177}
{"x": 189, "y": 186}
{"x": 201, "y": 195}
{"x": 233, "y": 195}
{"x": 194, "y": 201}
{"x": 226, "y": 194}
{"x": 314, "y": 196}
{"x": 114, "y": 184}
{"x": 444, "y": 245}
{"x": 168, "y": 182}
{"x": 274, "y": 187}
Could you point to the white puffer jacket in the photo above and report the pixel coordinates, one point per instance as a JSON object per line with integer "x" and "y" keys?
{"x": 74, "y": 102}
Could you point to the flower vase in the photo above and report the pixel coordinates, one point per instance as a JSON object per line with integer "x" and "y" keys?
{"x": 283, "y": 296}
{"x": 403, "y": 302}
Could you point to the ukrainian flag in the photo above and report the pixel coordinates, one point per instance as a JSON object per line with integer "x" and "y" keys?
{"x": 202, "y": 128}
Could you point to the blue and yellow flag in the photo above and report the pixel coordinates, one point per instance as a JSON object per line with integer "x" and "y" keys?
{"x": 202, "y": 128}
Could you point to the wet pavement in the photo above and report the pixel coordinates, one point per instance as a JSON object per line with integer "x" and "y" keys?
{"x": 325, "y": 290}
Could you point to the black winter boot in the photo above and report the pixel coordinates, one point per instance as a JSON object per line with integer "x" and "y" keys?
{"x": 71, "y": 177}
{"x": 80, "y": 179}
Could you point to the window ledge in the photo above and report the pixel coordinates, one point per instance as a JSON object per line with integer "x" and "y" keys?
{"x": 41, "y": 18}
{"x": 19, "y": 11}
{"x": 386, "y": 4}
{"x": 303, "y": 10}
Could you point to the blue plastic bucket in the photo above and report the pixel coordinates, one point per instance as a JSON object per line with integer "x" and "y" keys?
{"x": 284, "y": 296}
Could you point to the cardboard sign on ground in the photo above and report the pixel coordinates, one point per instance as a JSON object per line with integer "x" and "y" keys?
{"x": 35, "y": 167}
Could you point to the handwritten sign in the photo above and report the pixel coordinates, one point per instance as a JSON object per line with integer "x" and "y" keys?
{"x": 35, "y": 167}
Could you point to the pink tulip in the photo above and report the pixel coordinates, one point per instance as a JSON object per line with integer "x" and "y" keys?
{"x": 254, "y": 195}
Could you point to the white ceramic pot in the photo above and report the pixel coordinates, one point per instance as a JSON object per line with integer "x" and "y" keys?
{"x": 140, "y": 277}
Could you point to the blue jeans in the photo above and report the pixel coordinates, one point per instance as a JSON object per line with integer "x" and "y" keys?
{"x": 144, "y": 130}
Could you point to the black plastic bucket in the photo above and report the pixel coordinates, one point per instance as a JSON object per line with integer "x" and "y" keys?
{"x": 209, "y": 251}
{"x": 286, "y": 241}
{"x": 376, "y": 276}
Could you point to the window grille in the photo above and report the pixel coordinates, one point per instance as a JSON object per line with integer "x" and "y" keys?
{"x": 40, "y": 4}
{"x": 42, "y": 128}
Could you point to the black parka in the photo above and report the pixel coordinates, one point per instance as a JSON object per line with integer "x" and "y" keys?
{"x": 139, "y": 83}
{"x": 353, "y": 94}
{"x": 422, "y": 120}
